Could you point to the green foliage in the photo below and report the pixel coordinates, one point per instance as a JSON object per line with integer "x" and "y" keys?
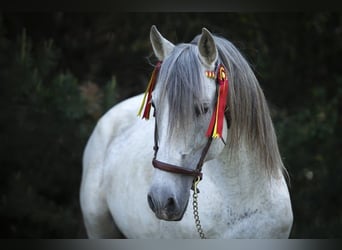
{"x": 110, "y": 98}
{"x": 69, "y": 102}
{"x": 44, "y": 129}
{"x": 307, "y": 139}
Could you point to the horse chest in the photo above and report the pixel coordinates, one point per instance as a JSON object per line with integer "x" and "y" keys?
{"x": 220, "y": 210}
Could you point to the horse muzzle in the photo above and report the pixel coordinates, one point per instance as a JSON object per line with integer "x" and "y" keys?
{"x": 166, "y": 209}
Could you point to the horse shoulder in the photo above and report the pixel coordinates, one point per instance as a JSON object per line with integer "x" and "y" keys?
{"x": 92, "y": 192}
{"x": 280, "y": 203}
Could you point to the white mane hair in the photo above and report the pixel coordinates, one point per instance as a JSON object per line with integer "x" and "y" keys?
{"x": 181, "y": 83}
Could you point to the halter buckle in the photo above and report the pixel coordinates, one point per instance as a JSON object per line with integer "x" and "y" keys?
{"x": 195, "y": 183}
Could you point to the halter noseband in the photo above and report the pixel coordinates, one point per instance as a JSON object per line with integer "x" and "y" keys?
{"x": 197, "y": 173}
{"x": 214, "y": 130}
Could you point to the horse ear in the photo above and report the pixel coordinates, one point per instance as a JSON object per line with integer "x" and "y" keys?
{"x": 207, "y": 48}
{"x": 161, "y": 47}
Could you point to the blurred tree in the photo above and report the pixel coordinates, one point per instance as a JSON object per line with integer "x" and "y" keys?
{"x": 44, "y": 127}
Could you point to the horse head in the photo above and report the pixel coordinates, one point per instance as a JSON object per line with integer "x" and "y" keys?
{"x": 184, "y": 101}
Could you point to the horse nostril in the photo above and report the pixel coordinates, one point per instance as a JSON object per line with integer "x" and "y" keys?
{"x": 170, "y": 204}
{"x": 150, "y": 203}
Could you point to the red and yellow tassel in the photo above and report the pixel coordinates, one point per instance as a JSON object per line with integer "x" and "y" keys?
{"x": 147, "y": 100}
{"x": 216, "y": 122}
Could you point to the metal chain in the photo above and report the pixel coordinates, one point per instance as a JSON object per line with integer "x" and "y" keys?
{"x": 195, "y": 209}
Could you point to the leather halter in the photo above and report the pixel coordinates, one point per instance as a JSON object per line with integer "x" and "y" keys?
{"x": 175, "y": 169}
{"x": 196, "y": 173}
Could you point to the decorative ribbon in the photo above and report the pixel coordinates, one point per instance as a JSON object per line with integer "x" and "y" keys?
{"x": 147, "y": 100}
{"x": 217, "y": 119}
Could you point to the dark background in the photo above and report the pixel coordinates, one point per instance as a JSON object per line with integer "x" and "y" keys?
{"x": 59, "y": 72}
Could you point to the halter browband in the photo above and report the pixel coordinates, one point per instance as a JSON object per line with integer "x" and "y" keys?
{"x": 215, "y": 126}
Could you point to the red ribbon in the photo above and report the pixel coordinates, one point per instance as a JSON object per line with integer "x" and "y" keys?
{"x": 216, "y": 123}
{"x": 147, "y": 100}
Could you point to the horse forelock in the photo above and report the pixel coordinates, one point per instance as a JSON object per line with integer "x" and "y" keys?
{"x": 181, "y": 83}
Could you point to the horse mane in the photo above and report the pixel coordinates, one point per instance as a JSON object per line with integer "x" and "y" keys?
{"x": 250, "y": 118}
{"x": 249, "y": 113}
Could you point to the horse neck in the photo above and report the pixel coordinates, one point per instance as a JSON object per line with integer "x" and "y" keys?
{"x": 241, "y": 170}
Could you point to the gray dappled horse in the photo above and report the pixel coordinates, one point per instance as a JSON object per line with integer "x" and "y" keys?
{"x": 243, "y": 193}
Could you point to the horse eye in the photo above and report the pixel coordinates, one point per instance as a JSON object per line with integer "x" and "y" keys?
{"x": 201, "y": 110}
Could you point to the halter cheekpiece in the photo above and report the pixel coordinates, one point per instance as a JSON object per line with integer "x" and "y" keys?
{"x": 215, "y": 126}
